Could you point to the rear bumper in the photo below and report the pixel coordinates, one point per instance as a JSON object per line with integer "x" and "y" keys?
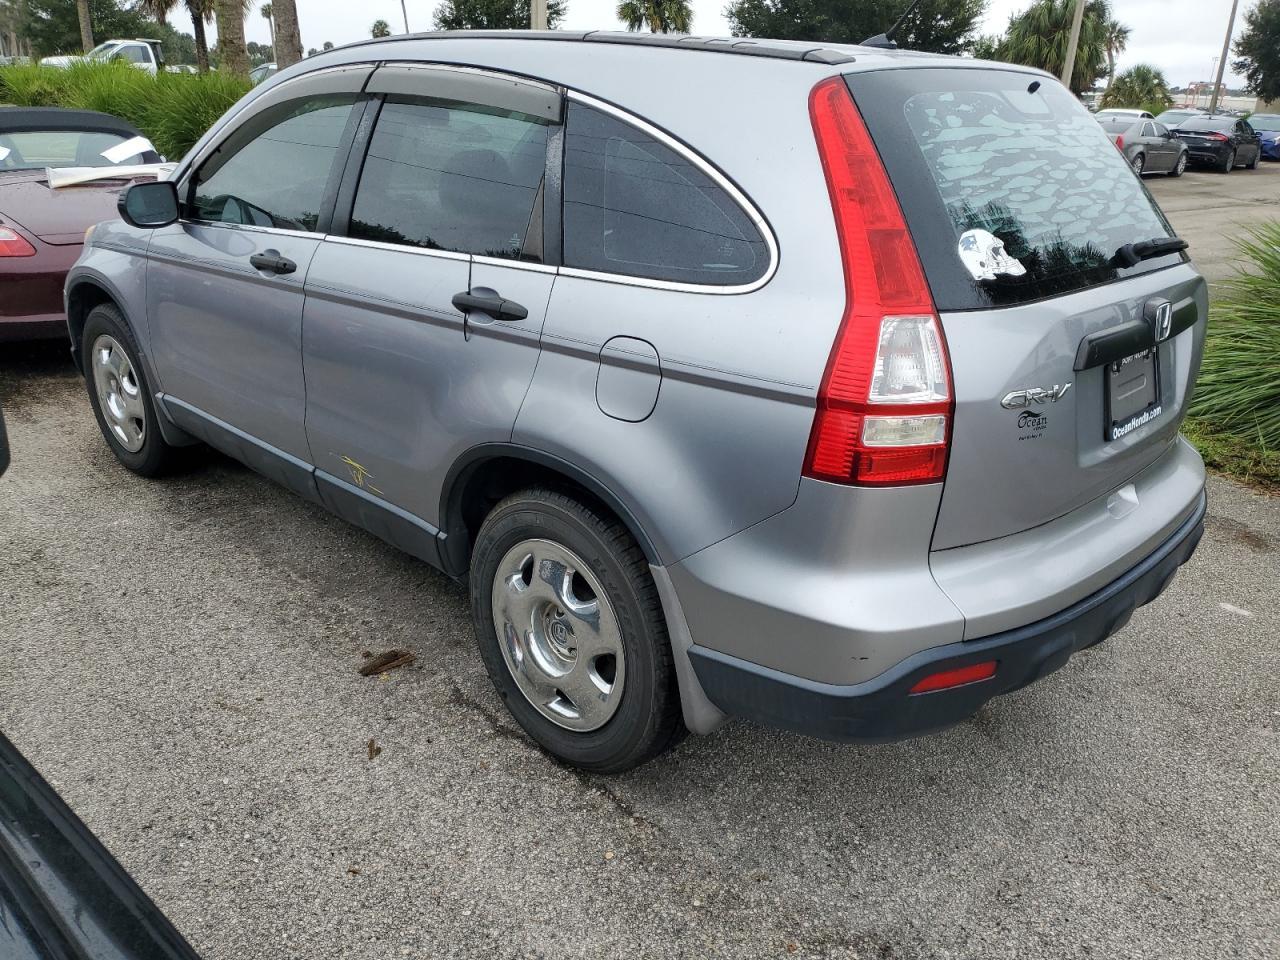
{"x": 883, "y": 708}
{"x": 1214, "y": 155}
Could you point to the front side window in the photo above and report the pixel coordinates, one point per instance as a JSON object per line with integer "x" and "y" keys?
{"x": 278, "y": 178}
{"x": 450, "y": 176}
{"x": 634, "y": 206}
{"x": 133, "y": 53}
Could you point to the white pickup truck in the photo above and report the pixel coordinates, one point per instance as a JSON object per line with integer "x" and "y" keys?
{"x": 143, "y": 54}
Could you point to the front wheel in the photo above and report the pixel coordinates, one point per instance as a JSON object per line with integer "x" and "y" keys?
{"x": 120, "y": 396}
{"x": 571, "y": 632}
{"x": 1180, "y": 167}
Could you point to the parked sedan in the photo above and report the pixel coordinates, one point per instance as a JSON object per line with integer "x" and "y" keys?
{"x": 42, "y": 229}
{"x": 1121, "y": 112}
{"x": 1171, "y": 118}
{"x": 1267, "y": 127}
{"x": 1223, "y": 143}
{"x": 1149, "y": 146}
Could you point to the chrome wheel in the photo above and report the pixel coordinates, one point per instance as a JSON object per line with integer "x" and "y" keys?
{"x": 559, "y": 634}
{"x": 119, "y": 393}
{"x": 1139, "y": 161}
{"x": 1181, "y": 168}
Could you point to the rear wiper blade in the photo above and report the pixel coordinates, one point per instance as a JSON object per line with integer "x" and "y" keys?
{"x": 1132, "y": 254}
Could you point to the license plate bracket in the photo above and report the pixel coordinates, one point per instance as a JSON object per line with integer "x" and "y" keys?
{"x": 1132, "y": 393}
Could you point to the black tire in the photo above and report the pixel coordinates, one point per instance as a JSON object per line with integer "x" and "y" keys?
{"x": 647, "y": 720}
{"x": 1179, "y": 166}
{"x": 1257, "y": 158}
{"x": 155, "y": 457}
{"x": 1229, "y": 163}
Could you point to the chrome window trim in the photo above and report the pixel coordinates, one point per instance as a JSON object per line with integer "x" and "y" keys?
{"x": 397, "y": 247}
{"x": 252, "y": 228}
{"x": 719, "y": 179}
{"x": 518, "y": 264}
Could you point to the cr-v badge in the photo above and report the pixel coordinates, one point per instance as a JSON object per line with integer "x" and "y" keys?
{"x": 1018, "y": 399}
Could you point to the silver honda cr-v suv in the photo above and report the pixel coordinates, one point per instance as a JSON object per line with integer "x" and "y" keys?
{"x": 838, "y": 388}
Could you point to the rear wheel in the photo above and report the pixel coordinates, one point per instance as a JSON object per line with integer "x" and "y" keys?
{"x": 120, "y": 396}
{"x": 571, "y": 632}
{"x": 1230, "y": 163}
{"x": 1253, "y": 164}
{"x": 1180, "y": 167}
{"x": 1138, "y": 162}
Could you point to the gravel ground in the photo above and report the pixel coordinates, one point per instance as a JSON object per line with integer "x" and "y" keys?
{"x": 181, "y": 657}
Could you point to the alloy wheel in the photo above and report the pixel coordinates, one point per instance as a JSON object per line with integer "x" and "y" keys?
{"x": 1138, "y": 163}
{"x": 119, "y": 393}
{"x": 559, "y": 634}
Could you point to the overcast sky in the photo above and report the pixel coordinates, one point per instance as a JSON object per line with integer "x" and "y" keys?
{"x": 1181, "y": 37}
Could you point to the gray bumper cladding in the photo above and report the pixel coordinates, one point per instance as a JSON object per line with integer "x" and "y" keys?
{"x": 884, "y": 708}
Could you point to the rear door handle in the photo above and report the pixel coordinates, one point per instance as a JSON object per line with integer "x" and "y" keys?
{"x": 272, "y": 262}
{"x": 496, "y": 307}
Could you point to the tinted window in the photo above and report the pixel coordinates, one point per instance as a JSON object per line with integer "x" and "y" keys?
{"x": 634, "y": 206}
{"x": 36, "y": 149}
{"x": 1204, "y": 124}
{"x": 452, "y": 177}
{"x": 985, "y": 152}
{"x": 1148, "y": 130}
{"x": 1160, "y": 129}
{"x": 1265, "y": 121}
{"x": 278, "y": 178}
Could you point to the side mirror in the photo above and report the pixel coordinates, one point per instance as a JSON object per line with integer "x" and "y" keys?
{"x": 149, "y": 205}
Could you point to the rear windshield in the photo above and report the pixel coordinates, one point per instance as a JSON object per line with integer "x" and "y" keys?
{"x": 1265, "y": 121}
{"x": 1201, "y": 123}
{"x": 37, "y": 149}
{"x": 1116, "y": 124}
{"x": 1011, "y": 188}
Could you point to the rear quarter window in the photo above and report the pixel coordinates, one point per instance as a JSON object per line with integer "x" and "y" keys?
{"x": 973, "y": 152}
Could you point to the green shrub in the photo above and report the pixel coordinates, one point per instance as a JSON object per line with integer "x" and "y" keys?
{"x": 1238, "y": 394}
{"x": 172, "y": 110}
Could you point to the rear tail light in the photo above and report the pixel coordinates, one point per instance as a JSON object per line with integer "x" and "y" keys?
{"x": 884, "y": 405}
{"x": 1218, "y": 136}
{"x": 14, "y": 244}
{"x": 960, "y": 677}
{"x": 1120, "y": 142}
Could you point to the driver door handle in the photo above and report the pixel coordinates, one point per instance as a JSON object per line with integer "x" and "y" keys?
{"x": 272, "y": 262}
{"x": 495, "y": 307}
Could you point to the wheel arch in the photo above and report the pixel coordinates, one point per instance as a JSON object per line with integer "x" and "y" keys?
{"x": 486, "y": 473}
{"x": 83, "y": 294}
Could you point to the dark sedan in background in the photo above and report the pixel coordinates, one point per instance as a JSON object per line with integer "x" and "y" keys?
{"x": 41, "y": 228}
{"x": 1148, "y": 145}
{"x": 1221, "y": 142}
{"x": 1267, "y": 127}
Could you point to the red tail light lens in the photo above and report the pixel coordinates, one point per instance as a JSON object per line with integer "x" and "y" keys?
{"x": 884, "y": 406}
{"x": 961, "y": 676}
{"x": 1120, "y": 142}
{"x": 14, "y": 244}
{"x": 1219, "y": 136}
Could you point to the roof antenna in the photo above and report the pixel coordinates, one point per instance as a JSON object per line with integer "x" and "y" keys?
{"x": 885, "y": 40}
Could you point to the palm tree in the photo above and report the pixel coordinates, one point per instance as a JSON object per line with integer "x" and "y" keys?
{"x": 660, "y": 16}
{"x": 1142, "y": 87}
{"x": 1116, "y": 37}
{"x": 265, "y": 10}
{"x": 158, "y": 9}
{"x": 287, "y": 37}
{"x": 86, "y": 25}
{"x": 201, "y": 13}
{"x": 380, "y": 29}
{"x": 1038, "y": 37}
{"x": 232, "y": 55}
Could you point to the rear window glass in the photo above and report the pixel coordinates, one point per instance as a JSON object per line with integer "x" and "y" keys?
{"x": 1200, "y": 123}
{"x": 1115, "y": 125}
{"x": 1265, "y": 121}
{"x": 37, "y": 149}
{"x": 1012, "y": 189}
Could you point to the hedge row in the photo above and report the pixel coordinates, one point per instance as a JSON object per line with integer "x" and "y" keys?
{"x": 173, "y": 110}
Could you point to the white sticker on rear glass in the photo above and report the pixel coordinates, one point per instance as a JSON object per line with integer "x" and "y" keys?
{"x": 4, "y": 152}
{"x": 984, "y": 255}
{"x": 130, "y": 148}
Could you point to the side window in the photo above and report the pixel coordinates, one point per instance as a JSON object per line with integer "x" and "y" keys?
{"x": 133, "y": 53}
{"x": 1161, "y": 130}
{"x": 634, "y": 206}
{"x": 276, "y": 178}
{"x": 1148, "y": 129}
{"x": 450, "y": 176}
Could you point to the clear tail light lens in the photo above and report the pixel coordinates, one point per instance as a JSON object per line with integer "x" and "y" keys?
{"x": 13, "y": 244}
{"x": 885, "y": 402}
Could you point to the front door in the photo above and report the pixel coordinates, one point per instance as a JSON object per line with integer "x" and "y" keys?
{"x": 225, "y": 283}
{"x": 422, "y": 322}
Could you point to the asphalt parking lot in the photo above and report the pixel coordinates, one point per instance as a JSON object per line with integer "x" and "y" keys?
{"x": 180, "y": 660}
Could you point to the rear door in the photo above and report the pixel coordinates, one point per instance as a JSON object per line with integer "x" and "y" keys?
{"x": 1071, "y": 367}
{"x": 425, "y": 307}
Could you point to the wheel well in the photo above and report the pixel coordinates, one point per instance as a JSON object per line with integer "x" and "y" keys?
{"x": 483, "y": 483}
{"x": 83, "y": 297}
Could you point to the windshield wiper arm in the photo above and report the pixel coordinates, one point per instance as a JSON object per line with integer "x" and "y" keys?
{"x": 1132, "y": 254}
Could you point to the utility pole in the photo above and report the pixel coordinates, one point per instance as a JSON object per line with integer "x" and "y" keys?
{"x": 1069, "y": 66}
{"x": 538, "y": 15}
{"x": 1222, "y": 64}
{"x": 405, "y": 11}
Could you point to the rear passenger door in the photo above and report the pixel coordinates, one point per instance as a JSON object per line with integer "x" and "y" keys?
{"x": 425, "y": 305}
